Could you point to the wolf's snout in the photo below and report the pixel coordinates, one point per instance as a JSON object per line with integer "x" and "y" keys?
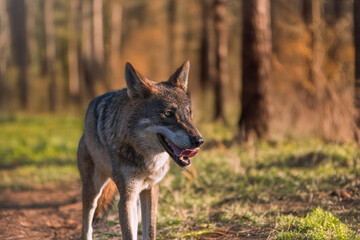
{"x": 196, "y": 141}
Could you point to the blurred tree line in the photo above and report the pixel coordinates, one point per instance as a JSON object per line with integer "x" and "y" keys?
{"x": 280, "y": 67}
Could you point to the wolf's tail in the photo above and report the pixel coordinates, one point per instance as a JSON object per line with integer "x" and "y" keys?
{"x": 105, "y": 201}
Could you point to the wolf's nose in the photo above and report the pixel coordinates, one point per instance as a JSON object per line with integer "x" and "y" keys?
{"x": 196, "y": 141}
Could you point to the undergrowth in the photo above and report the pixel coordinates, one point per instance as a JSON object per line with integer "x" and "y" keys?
{"x": 263, "y": 189}
{"x": 36, "y": 150}
{"x": 318, "y": 224}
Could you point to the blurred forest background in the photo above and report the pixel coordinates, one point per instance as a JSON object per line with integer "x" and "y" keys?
{"x": 285, "y": 66}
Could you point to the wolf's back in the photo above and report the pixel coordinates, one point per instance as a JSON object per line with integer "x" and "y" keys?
{"x": 104, "y": 116}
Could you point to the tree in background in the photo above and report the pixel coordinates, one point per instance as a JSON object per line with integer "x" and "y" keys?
{"x": 321, "y": 96}
{"x": 161, "y": 33}
{"x": 50, "y": 53}
{"x": 206, "y": 47}
{"x": 3, "y": 54}
{"x": 339, "y": 9}
{"x": 172, "y": 17}
{"x": 115, "y": 42}
{"x": 357, "y": 62}
{"x": 17, "y": 16}
{"x": 98, "y": 41}
{"x": 312, "y": 18}
{"x": 256, "y": 65}
{"x": 176, "y": 32}
{"x": 87, "y": 53}
{"x": 221, "y": 57}
{"x": 73, "y": 48}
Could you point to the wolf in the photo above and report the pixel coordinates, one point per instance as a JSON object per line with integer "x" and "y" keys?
{"x": 129, "y": 136}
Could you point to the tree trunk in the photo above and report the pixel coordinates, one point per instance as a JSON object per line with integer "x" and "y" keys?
{"x": 31, "y": 38}
{"x": 171, "y": 32}
{"x": 357, "y": 64}
{"x": 115, "y": 43}
{"x": 308, "y": 19}
{"x": 87, "y": 50}
{"x": 312, "y": 18}
{"x": 3, "y": 55}
{"x": 256, "y": 65}
{"x": 339, "y": 9}
{"x": 316, "y": 41}
{"x": 176, "y": 30}
{"x": 73, "y": 29}
{"x": 50, "y": 53}
{"x": 221, "y": 51}
{"x": 206, "y": 48}
{"x": 17, "y": 16}
{"x": 307, "y": 12}
{"x": 98, "y": 36}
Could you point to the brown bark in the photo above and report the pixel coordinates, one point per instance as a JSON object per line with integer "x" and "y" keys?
{"x": 256, "y": 65}
{"x": 316, "y": 40}
{"x": 17, "y": 16}
{"x": 98, "y": 35}
{"x": 206, "y": 48}
{"x": 221, "y": 52}
{"x": 73, "y": 29}
{"x": 3, "y": 55}
{"x": 357, "y": 62}
{"x": 31, "y": 28}
{"x": 50, "y": 53}
{"x": 115, "y": 42}
{"x": 307, "y": 12}
{"x": 312, "y": 18}
{"x": 87, "y": 49}
{"x": 171, "y": 31}
{"x": 175, "y": 33}
{"x": 339, "y": 9}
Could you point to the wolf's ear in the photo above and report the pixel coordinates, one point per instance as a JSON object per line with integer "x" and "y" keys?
{"x": 137, "y": 85}
{"x": 180, "y": 76}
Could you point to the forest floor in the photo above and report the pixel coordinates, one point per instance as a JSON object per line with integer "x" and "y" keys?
{"x": 53, "y": 211}
{"x": 289, "y": 189}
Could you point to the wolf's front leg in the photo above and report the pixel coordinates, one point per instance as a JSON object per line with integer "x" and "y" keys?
{"x": 149, "y": 202}
{"x": 128, "y": 214}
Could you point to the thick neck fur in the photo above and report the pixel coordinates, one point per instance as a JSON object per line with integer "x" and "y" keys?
{"x": 151, "y": 169}
{"x": 115, "y": 130}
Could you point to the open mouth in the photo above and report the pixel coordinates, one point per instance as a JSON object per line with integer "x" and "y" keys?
{"x": 180, "y": 156}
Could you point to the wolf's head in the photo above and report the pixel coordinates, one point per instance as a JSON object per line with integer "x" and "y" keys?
{"x": 162, "y": 115}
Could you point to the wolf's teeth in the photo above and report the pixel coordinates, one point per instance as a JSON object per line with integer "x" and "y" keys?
{"x": 167, "y": 140}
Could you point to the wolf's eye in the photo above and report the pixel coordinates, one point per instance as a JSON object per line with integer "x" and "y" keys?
{"x": 168, "y": 113}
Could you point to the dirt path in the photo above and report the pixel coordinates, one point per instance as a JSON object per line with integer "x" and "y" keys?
{"x": 54, "y": 212}
{"x": 49, "y": 212}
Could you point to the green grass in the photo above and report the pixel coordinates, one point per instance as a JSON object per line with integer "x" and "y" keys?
{"x": 318, "y": 224}
{"x": 238, "y": 186}
{"x": 35, "y": 150}
{"x": 229, "y": 188}
{"x": 234, "y": 185}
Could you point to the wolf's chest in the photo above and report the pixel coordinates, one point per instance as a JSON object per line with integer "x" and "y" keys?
{"x": 156, "y": 169}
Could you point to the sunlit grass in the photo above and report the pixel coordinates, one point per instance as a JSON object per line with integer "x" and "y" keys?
{"x": 35, "y": 150}
{"x": 233, "y": 182}
{"x": 318, "y": 224}
{"x": 228, "y": 187}
{"x": 29, "y": 176}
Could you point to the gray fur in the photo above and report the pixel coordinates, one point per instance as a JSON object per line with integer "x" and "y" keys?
{"x": 120, "y": 142}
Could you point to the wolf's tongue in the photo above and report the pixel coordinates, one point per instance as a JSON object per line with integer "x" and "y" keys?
{"x": 186, "y": 152}
{"x": 190, "y": 153}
